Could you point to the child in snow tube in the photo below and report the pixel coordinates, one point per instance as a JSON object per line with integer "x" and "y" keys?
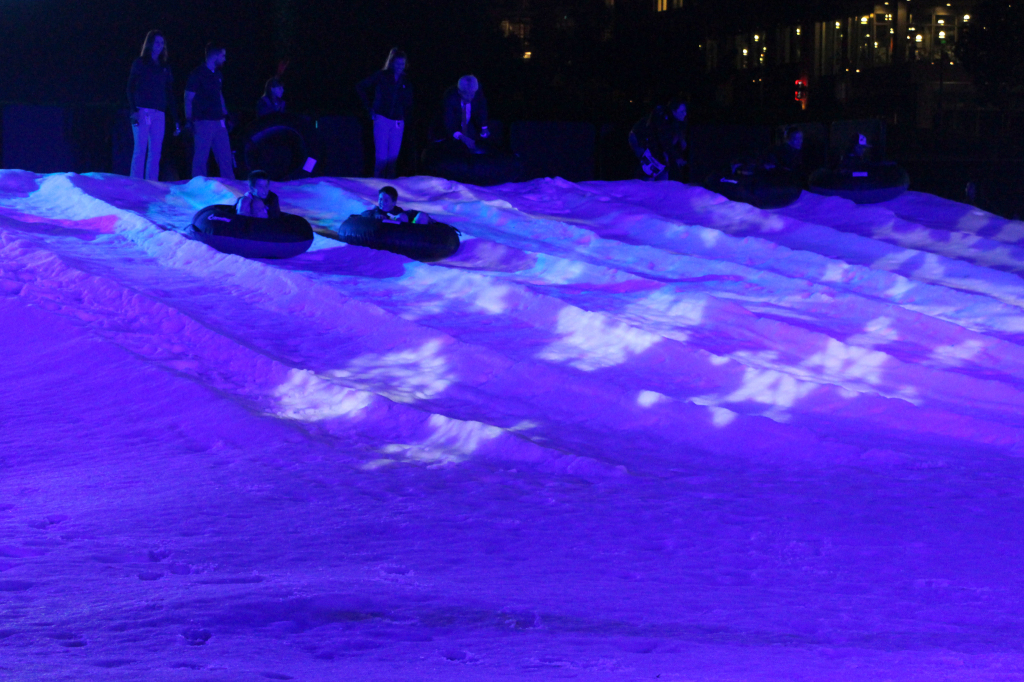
{"x": 413, "y": 234}
{"x": 254, "y": 227}
{"x": 860, "y": 179}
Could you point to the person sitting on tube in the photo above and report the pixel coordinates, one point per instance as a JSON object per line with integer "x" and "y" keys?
{"x": 787, "y": 156}
{"x": 259, "y": 201}
{"x": 272, "y": 101}
{"x": 387, "y": 207}
{"x": 858, "y": 155}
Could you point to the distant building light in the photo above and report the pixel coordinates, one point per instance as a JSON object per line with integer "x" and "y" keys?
{"x": 527, "y": 55}
{"x": 837, "y": 24}
{"x": 942, "y": 35}
{"x": 941, "y": 22}
{"x": 863, "y": 20}
{"x": 744, "y": 52}
{"x": 798, "y": 28}
{"x": 919, "y": 37}
{"x": 756, "y": 37}
{"x": 911, "y": 29}
{"x": 876, "y": 44}
{"x": 967, "y": 17}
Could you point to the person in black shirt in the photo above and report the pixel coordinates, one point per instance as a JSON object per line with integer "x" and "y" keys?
{"x": 206, "y": 111}
{"x": 387, "y": 95}
{"x": 259, "y": 201}
{"x": 272, "y": 101}
{"x": 387, "y": 207}
{"x": 659, "y": 141}
{"x": 858, "y": 157}
{"x": 151, "y": 101}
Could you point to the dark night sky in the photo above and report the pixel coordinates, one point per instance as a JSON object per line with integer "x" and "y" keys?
{"x": 85, "y": 57}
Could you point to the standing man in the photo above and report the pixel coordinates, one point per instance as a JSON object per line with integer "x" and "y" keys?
{"x": 206, "y": 111}
{"x": 464, "y": 115}
{"x": 387, "y": 95}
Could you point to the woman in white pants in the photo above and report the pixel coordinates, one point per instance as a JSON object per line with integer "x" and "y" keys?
{"x": 387, "y": 95}
{"x": 150, "y": 98}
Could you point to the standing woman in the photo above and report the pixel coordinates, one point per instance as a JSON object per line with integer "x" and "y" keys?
{"x": 150, "y": 99}
{"x": 387, "y": 95}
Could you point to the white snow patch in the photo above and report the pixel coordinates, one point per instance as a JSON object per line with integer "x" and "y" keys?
{"x": 594, "y": 341}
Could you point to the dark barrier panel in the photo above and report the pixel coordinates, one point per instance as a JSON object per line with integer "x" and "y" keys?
{"x": 52, "y": 139}
{"x": 339, "y": 148}
{"x": 714, "y": 147}
{"x": 841, "y": 133}
{"x": 615, "y": 159}
{"x": 123, "y": 144}
{"x": 37, "y": 139}
{"x": 555, "y": 148}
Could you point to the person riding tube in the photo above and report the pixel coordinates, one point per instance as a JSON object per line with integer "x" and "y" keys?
{"x": 259, "y": 201}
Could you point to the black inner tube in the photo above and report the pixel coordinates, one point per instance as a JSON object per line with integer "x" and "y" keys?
{"x": 278, "y": 150}
{"x": 428, "y": 242}
{"x": 281, "y": 237}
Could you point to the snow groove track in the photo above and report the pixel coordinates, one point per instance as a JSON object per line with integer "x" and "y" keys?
{"x": 547, "y": 338}
{"x": 629, "y": 431}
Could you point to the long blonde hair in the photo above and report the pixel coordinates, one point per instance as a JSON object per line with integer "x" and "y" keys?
{"x": 147, "y": 46}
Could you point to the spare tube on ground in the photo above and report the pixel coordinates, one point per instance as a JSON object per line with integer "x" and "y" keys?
{"x": 428, "y": 242}
{"x": 223, "y": 229}
{"x": 760, "y": 187}
{"x": 870, "y": 185}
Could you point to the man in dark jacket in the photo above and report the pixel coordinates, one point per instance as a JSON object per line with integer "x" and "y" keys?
{"x": 464, "y": 117}
{"x": 659, "y": 142}
{"x": 387, "y": 96}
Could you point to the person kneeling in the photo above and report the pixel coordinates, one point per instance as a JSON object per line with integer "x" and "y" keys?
{"x": 259, "y": 201}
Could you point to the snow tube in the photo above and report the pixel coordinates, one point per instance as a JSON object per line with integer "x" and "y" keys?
{"x": 761, "y": 188}
{"x": 223, "y": 229}
{"x": 871, "y": 186}
{"x": 276, "y": 144}
{"x": 423, "y": 242}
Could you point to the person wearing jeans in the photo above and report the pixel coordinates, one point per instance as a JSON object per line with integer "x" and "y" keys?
{"x": 387, "y": 95}
{"x": 150, "y": 100}
{"x": 205, "y": 109}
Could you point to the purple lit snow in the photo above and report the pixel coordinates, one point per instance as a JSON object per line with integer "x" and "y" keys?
{"x": 629, "y": 432}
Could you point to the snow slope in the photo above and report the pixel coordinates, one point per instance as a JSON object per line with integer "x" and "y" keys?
{"x": 630, "y": 431}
